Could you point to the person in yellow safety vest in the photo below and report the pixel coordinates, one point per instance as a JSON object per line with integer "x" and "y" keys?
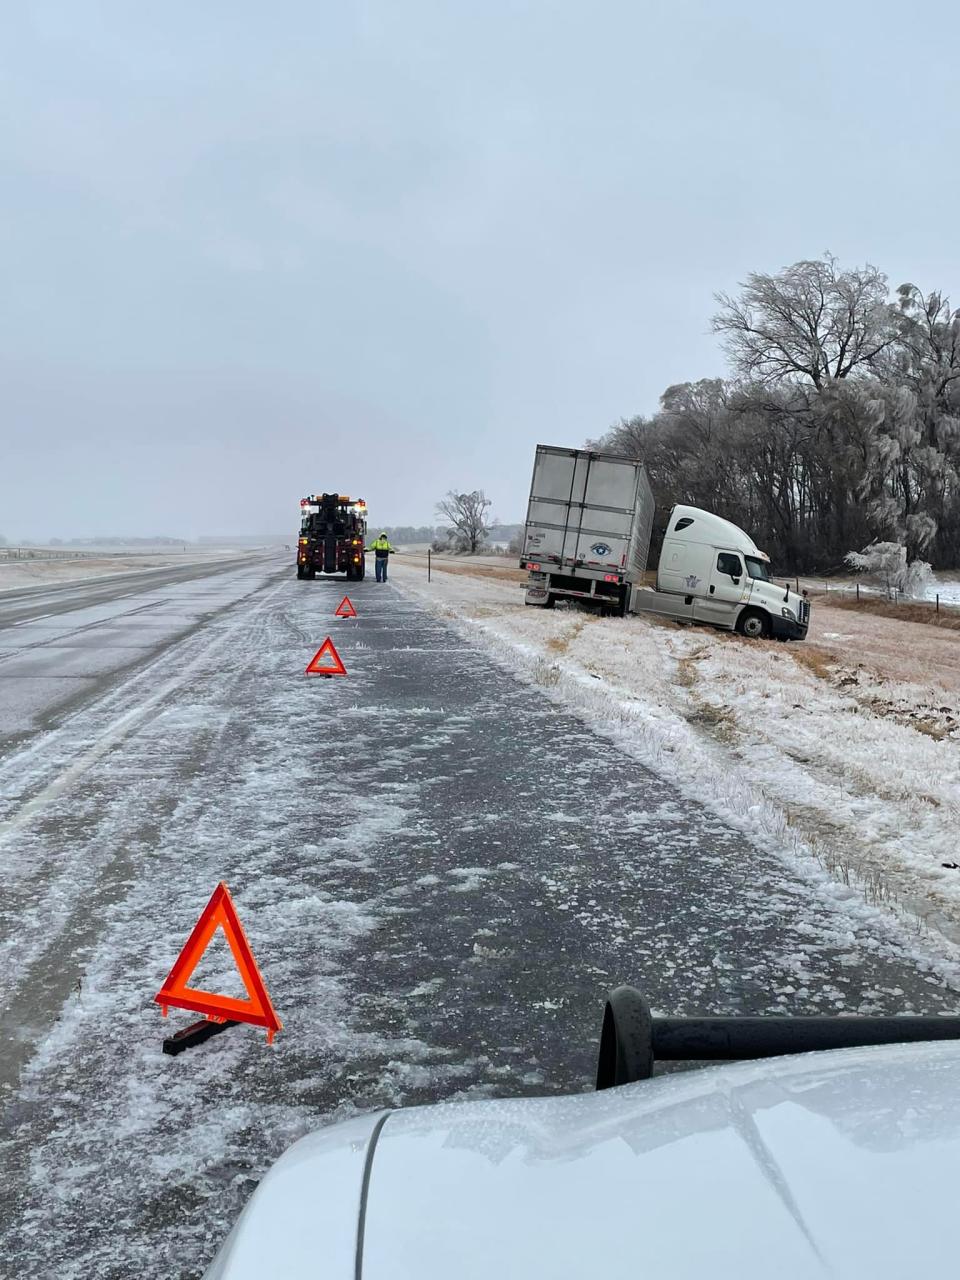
{"x": 382, "y": 550}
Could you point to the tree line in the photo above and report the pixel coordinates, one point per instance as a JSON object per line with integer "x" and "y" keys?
{"x": 839, "y": 426}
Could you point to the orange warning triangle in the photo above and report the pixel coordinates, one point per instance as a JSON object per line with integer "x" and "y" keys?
{"x": 315, "y": 666}
{"x": 219, "y": 913}
{"x": 345, "y": 609}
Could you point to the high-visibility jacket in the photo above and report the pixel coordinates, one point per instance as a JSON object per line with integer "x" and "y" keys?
{"x": 381, "y": 547}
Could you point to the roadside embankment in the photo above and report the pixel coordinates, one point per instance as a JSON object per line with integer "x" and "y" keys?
{"x": 843, "y": 750}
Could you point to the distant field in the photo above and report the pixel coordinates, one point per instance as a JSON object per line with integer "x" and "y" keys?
{"x": 42, "y": 570}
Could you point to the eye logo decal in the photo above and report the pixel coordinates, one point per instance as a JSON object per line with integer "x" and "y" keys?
{"x": 601, "y": 549}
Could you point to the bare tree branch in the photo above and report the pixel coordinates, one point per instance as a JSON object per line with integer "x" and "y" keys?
{"x": 467, "y": 514}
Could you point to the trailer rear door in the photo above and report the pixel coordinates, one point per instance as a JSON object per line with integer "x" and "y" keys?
{"x": 583, "y": 510}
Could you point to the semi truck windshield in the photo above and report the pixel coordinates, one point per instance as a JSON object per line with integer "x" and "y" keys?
{"x": 757, "y": 568}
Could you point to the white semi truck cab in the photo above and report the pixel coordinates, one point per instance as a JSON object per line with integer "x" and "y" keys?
{"x": 586, "y": 537}
{"x": 710, "y": 571}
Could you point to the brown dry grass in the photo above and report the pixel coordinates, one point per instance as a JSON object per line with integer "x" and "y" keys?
{"x": 481, "y": 571}
{"x": 820, "y": 661}
{"x": 948, "y": 619}
{"x": 560, "y": 644}
{"x": 687, "y": 667}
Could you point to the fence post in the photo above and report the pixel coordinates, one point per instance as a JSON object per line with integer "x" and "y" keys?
{"x": 858, "y": 593}
{"x": 428, "y": 564}
{"x": 938, "y": 602}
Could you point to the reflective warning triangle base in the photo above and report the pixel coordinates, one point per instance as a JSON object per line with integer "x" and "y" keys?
{"x": 316, "y": 667}
{"x": 219, "y": 913}
{"x": 345, "y": 609}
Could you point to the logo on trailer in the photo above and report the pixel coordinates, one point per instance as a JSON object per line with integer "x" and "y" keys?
{"x": 601, "y": 549}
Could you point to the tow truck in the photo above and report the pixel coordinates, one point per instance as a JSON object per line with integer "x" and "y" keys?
{"x": 333, "y": 527}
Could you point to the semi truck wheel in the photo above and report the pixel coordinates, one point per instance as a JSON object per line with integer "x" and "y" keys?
{"x": 753, "y": 624}
{"x": 300, "y": 574}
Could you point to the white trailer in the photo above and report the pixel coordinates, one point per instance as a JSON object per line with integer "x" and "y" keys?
{"x": 588, "y": 527}
{"x": 587, "y": 535}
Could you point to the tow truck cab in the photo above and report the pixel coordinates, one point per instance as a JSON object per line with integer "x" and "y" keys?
{"x": 333, "y": 528}
{"x": 711, "y": 571}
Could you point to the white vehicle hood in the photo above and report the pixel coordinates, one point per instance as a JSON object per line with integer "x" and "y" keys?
{"x": 836, "y": 1164}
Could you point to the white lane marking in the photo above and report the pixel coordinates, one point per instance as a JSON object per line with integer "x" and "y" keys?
{"x": 39, "y": 618}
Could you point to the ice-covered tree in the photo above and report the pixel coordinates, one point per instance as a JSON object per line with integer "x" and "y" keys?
{"x": 811, "y": 322}
{"x": 840, "y": 426}
{"x": 886, "y": 563}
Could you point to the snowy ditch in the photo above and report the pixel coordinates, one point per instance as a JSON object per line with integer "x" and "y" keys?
{"x": 840, "y": 771}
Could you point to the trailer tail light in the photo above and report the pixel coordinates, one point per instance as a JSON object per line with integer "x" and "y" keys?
{"x": 534, "y": 567}
{"x": 610, "y": 577}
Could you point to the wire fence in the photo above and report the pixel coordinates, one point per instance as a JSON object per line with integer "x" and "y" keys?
{"x": 867, "y": 592}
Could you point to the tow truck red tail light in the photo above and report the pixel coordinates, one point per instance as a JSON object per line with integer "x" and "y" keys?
{"x": 610, "y": 577}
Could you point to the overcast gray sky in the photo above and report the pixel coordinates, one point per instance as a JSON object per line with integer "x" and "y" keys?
{"x": 252, "y": 250}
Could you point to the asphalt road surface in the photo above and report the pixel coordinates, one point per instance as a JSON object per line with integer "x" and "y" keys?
{"x": 440, "y": 872}
{"x": 61, "y": 645}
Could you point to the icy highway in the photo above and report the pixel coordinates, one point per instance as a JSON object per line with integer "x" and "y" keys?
{"x": 439, "y": 870}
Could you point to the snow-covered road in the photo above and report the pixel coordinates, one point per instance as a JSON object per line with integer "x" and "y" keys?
{"x": 440, "y": 870}
{"x": 62, "y": 645}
